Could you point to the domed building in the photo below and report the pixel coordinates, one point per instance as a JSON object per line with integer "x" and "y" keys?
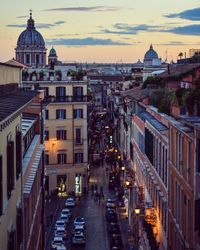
{"x": 30, "y": 48}
{"x": 52, "y": 58}
{"x": 151, "y": 58}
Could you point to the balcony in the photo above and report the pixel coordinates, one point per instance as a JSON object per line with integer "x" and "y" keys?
{"x": 54, "y": 99}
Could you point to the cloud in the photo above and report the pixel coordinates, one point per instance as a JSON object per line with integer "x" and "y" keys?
{"x": 177, "y": 43}
{"x": 38, "y": 25}
{"x": 87, "y": 9}
{"x": 127, "y": 29}
{"x": 22, "y": 16}
{"x": 192, "y": 15}
{"x": 88, "y": 41}
{"x": 191, "y": 30}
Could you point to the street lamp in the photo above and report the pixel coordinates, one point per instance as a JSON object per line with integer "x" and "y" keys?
{"x": 122, "y": 168}
{"x": 137, "y": 211}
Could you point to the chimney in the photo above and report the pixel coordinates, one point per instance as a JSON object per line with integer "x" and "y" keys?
{"x": 168, "y": 69}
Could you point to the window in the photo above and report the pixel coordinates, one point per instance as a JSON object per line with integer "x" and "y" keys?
{"x": 61, "y": 135}
{"x": 46, "y": 91}
{"x": 10, "y": 167}
{"x": 46, "y": 135}
{"x": 78, "y": 93}
{"x": 78, "y": 113}
{"x": 78, "y": 157}
{"x": 1, "y": 185}
{"x": 60, "y": 114}
{"x": 78, "y": 135}
{"x": 46, "y": 114}
{"x": 62, "y": 158}
{"x": 46, "y": 159}
{"x": 18, "y": 149}
{"x": 37, "y": 59}
{"x": 60, "y": 92}
{"x": 27, "y": 58}
{"x": 198, "y": 155}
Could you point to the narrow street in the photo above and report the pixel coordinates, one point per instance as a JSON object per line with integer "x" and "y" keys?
{"x": 93, "y": 212}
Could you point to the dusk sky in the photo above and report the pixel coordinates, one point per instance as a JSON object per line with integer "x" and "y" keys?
{"x": 104, "y": 31}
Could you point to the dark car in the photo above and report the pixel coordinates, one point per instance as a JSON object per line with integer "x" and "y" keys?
{"x": 116, "y": 241}
{"x": 111, "y": 216}
{"x": 114, "y": 228}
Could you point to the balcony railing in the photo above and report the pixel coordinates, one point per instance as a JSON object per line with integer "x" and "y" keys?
{"x": 67, "y": 99}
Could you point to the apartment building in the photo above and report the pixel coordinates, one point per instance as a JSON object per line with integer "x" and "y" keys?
{"x": 66, "y": 143}
{"x": 184, "y": 184}
{"x": 12, "y": 103}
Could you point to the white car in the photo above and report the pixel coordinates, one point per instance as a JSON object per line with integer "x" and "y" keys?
{"x": 65, "y": 218}
{"x": 57, "y": 242}
{"x": 66, "y": 211}
{"x": 70, "y": 202}
{"x": 61, "y": 248}
{"x": 60, "y": 232}
{"x": 60, "y": 223}
{"x": 79, "y": 221}
{"x": 79, "y": 238}
{"x": 79, "y": 229}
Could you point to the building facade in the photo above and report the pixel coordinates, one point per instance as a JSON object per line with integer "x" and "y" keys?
{"x": 66, "y": 143}
{"x": 12, "y": 105}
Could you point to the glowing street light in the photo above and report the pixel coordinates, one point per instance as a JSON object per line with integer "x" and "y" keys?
{"x": 137, "y": 211}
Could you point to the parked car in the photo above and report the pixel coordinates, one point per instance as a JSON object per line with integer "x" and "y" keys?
{"x": 70, "y": 202}
{"x": 79, "y": 229}
{"x": 60, "y": 232}
{"x": 57, "y": 242}
{"x": 110, "y": 203}
{"x": 66, "y": 211}
{"x": 111, "y": 216}
{"x": 65, "y": 218}
{"x": 79, "y": 238}
{"x": 79, "y": 221}
{"x": 116, "y": 241}
{"x": 60, "y": 223}
{"x": 114, "y": 228}
{"x": 61, "y": 248}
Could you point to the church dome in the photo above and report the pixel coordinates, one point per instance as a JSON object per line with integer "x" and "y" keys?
{"x": 151, "y": 54}
{"x": 52, "y": 52}
{"x": 30, "y": 37}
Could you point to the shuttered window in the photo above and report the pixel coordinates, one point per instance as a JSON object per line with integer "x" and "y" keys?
{"x": 10, "y": 167}
{"x": 18, "y": 154}
{"x": 1, "y": 185}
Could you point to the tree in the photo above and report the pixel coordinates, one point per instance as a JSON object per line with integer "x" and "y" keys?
{"x": 180, "y": 55}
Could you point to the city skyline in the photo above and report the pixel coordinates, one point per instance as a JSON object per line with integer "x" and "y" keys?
{"x": 118, "y": 32}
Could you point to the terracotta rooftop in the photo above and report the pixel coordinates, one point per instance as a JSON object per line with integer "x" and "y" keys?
{"x": 137, "y": 93}
{"x": 178, "y": 70}
{"x": 14, "y": 101}
{"x": 107, "y": 78}
{"x": 15, "y": 63}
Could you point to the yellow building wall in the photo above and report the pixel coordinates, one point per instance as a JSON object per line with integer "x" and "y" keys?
{"x": 8, "y": 218}
{"x": 9, "y": 74}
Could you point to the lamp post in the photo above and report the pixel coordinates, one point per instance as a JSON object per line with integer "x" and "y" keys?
{"x": 137, "y": 213}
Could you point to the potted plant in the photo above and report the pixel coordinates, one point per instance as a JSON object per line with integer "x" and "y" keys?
{"x": 41, "y": 75}
{"x": 58, "y": 75}
{"x": 25, "y": 75}
{"x": 34, "y": 76}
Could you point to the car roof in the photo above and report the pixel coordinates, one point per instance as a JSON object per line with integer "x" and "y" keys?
{"x": 58, "y": 238}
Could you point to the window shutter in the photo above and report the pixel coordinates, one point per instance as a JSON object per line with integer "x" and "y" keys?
{"x": 75, "y": 157}
{"x": 64, "y": 114}
{"x": 81, "y": 113}
{"x": 57, "y": 114}
{"x": 58, "y": 134}
{"x": 10, "y": 167}
{"x": 75, "y": 113}
{"x": 65, "y": 134}
{"x": 18, "y": 153}
{"x": 65, "y": 158}
{"x": 58, "y": 158}
{"x": 1, "y": 185}
{"x": 81, "y": 157}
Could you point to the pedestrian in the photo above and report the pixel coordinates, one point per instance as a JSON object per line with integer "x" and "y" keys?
{"x": 92, "y": 187}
